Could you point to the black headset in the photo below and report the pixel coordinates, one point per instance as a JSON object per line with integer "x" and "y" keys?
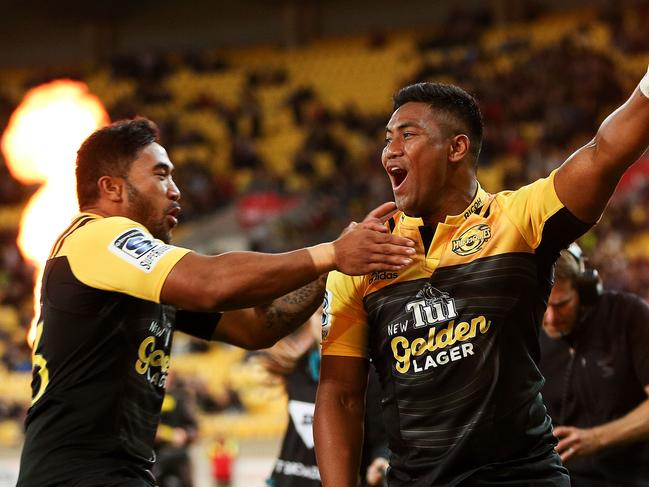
{"x": 588, "y": 283}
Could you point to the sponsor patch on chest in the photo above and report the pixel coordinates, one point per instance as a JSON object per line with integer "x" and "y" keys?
{"x": 451, "y": 336}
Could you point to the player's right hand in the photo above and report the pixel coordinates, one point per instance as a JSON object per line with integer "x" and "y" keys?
{"x": 369, "y": 246}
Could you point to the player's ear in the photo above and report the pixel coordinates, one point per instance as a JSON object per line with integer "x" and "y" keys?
{"x": 458, "y": 148}
{"x": 111, "y": 188}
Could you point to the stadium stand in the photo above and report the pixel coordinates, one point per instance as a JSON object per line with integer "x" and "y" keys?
{"x": 291, "y": 139}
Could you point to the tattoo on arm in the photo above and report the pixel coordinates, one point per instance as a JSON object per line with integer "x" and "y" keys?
{"x": 292, "y": 310}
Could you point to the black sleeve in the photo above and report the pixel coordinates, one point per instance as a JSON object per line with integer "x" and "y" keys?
{"x": 197, "y": 324}
{"x": 559, "y": 232}
{"x": 639, "y": 336}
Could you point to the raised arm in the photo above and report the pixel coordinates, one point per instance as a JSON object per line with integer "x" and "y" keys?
{"x": 338, "y": 423}
{"x": 261, "y": 327}
{"x": 243, "y": 279}
{"x": 586, "y": 181}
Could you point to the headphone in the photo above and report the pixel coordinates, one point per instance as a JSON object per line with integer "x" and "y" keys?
{"x": 588, "y": 283}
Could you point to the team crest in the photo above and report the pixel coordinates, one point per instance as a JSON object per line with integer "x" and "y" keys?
{"x": 472, "y": 240}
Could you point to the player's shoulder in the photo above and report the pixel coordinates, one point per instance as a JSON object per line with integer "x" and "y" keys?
{"x": 541, "y": 188}
{"x": 89, "y": 230}
{"x": 112, "y": 224}
{"x": 626, "y": 300}
{"x": 342, "y": 285}
{"x": 339, "y": 278}
{"x": 110, "y": 228}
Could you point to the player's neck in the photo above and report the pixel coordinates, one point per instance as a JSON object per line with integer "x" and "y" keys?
{"x": 454, "y": 201}
{"x": 105, "y": 209}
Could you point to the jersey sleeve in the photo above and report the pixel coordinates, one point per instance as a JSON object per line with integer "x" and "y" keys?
{"x": 344, "y": 320}
{"x": 118, "y": 254}
{"x": 540, "y": 216}
{"x": 199, "y": 324}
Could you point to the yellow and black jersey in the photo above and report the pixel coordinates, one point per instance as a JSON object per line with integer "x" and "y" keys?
{"x": 101, "y": 355}
{"x": 454, "y": 336}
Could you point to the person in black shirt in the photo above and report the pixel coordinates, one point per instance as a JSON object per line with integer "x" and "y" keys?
{"x": 595, "y": 361}
{"x": 114, "y": 290}
{"x": 297, "y": 359}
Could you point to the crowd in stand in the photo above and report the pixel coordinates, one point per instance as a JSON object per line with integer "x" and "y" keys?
{"x": 546, "y": 105}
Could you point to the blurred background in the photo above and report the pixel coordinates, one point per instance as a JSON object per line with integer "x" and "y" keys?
{"x": 273, "y": 113}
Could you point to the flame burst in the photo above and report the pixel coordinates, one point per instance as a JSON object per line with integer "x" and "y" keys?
{"x": 40, "y": 146}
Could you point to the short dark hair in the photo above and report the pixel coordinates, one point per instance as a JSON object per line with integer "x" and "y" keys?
{"x": 110, "y": 151}
{"x": 452, "y": 101}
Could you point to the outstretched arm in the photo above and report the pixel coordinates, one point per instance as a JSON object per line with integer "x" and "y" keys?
{"x": 581, "y": 442}
{"x": 586, "y": 181}
{"x": 243, "y": 279}
{"x": 261, "y": 327}
{"x": 338, "y": 422}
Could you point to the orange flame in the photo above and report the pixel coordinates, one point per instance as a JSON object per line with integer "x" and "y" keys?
{"x": 40, "y": 146}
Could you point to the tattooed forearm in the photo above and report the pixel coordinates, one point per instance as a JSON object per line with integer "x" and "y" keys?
{"x": 287, "y": 313}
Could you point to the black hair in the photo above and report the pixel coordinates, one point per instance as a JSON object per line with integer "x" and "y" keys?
{"x": 110, "y": 151}
{"x": 458, "y": 106}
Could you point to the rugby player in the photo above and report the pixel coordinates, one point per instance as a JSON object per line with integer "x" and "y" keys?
{"x": 454, "y": 336}
{"x": 114, "y": 290}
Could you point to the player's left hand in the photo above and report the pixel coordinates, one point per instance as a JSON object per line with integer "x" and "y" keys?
{"x": 576, "y": 442}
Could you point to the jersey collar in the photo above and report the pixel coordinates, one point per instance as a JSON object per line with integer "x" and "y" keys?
{"x": 88, "y": 213}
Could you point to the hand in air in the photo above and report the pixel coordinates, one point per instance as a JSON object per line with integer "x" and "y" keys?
{"x": 369, "y": 246}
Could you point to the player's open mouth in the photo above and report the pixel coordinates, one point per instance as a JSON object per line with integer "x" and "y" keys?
{"x": 397, "y": 176}
{"x": 172, "y": 216}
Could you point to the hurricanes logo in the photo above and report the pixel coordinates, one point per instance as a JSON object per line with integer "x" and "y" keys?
{"x": 472, "y": 240}
{"x": 433, "y": 306}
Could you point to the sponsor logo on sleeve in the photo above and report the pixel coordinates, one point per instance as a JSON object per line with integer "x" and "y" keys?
{"x": 139, "y": 249}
